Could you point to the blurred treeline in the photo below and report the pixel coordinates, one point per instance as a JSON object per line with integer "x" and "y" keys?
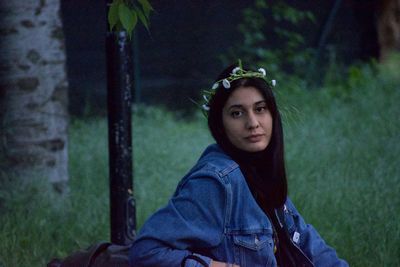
{"x": 189, "y": 42}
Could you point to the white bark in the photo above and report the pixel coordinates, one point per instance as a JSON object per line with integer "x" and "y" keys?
{"x": 33, "y": 90}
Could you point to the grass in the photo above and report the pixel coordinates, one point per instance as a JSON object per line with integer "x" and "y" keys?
{"x": 342, "y": 147}
{"x": 343, "y": 172}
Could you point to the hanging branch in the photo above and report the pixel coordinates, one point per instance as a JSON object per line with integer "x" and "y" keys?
{"x": 124, "y": 14}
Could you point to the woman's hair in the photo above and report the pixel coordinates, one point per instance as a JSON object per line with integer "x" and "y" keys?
{"x": 275, "y": 184}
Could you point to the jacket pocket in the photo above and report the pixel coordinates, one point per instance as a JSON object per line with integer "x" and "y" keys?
{"x": 254, "y": 249}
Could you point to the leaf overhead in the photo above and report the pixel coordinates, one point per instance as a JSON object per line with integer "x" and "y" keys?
{"x": 113, "y": 15}
{"x": 147, "y": 8}
{"x": 142, "y": 17}
{"x": 127, "y": 17}
{"x": 124, "y": 14}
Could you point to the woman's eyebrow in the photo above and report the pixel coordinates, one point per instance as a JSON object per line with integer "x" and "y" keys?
{"x": 260, "y": 102}
{"x": 241, "y": 106}
{"x": 235, "y": 106}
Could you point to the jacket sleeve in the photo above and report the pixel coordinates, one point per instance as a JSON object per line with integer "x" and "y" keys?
{"x": 192, "y": 220}
{"x": 311, "y": 243}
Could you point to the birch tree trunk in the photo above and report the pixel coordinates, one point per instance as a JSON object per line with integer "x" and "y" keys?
{"x": 33, "y": 91}
{"x": 389, "y": 27}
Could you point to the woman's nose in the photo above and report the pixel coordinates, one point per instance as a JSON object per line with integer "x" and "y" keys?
{"x": 252, "y": 121}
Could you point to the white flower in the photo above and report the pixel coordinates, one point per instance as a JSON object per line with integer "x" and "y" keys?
{"x": 205, "y": 107}
{"x": 235, "y": 70}
{"x": 215, "y": 86}
{"x": 262, "y": 70}
{"x": 273, "y": 82}
{"x": 205, "y": 98}
{"x": 226, "y": 83}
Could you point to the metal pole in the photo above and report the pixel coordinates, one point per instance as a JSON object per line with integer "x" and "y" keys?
{"x": 119, "y": 101}
{"x": 136, "y": 79}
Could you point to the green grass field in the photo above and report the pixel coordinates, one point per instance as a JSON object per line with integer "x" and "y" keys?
{"x": 342, "y": 148}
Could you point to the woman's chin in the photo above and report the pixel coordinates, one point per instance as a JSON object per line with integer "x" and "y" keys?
{"x": 254, "y": 147}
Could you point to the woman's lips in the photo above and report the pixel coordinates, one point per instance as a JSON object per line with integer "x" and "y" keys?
{"x": 254, "y": 138}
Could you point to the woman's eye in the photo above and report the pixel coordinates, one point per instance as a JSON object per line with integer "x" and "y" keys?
{"x": 236, "y": 114}
{"x": 261, "y": 109}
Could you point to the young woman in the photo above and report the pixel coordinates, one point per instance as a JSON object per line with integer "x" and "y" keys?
{"x": 232, "y": 208}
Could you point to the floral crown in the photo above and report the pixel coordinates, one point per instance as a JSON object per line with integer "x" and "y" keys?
{"x": 236, "y": 74}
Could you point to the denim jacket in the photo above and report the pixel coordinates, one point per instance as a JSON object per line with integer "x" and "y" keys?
{"x": 213, "y": 215}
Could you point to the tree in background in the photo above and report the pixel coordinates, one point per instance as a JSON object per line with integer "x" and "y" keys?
{"x": 33, "y": 92}
{"x": 389, "y": 27}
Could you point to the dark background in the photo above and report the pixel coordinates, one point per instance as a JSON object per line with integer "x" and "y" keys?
{"x": 180, "y": 54}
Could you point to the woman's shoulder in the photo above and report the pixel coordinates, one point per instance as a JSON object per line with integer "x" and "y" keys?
{"x": 215, "y": 160}
{"x": 213, "y": 173}
{"x": 214, "y": 163}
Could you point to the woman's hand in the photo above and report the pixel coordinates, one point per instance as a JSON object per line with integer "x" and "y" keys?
{"x": 222, "y": 264}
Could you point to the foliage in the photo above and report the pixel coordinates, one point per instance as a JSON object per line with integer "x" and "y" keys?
{"x": 271, "y": 37}
{"x": 341, "y": 153}
{"x": 124, "y": 14}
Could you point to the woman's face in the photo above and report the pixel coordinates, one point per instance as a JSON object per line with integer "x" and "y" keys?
{"x": 247, "y": 120}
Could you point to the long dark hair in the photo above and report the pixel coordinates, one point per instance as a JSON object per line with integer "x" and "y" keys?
{"x": 270, "y": 177}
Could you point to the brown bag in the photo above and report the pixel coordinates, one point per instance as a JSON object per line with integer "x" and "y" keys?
{"x": 103, "y": 254}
